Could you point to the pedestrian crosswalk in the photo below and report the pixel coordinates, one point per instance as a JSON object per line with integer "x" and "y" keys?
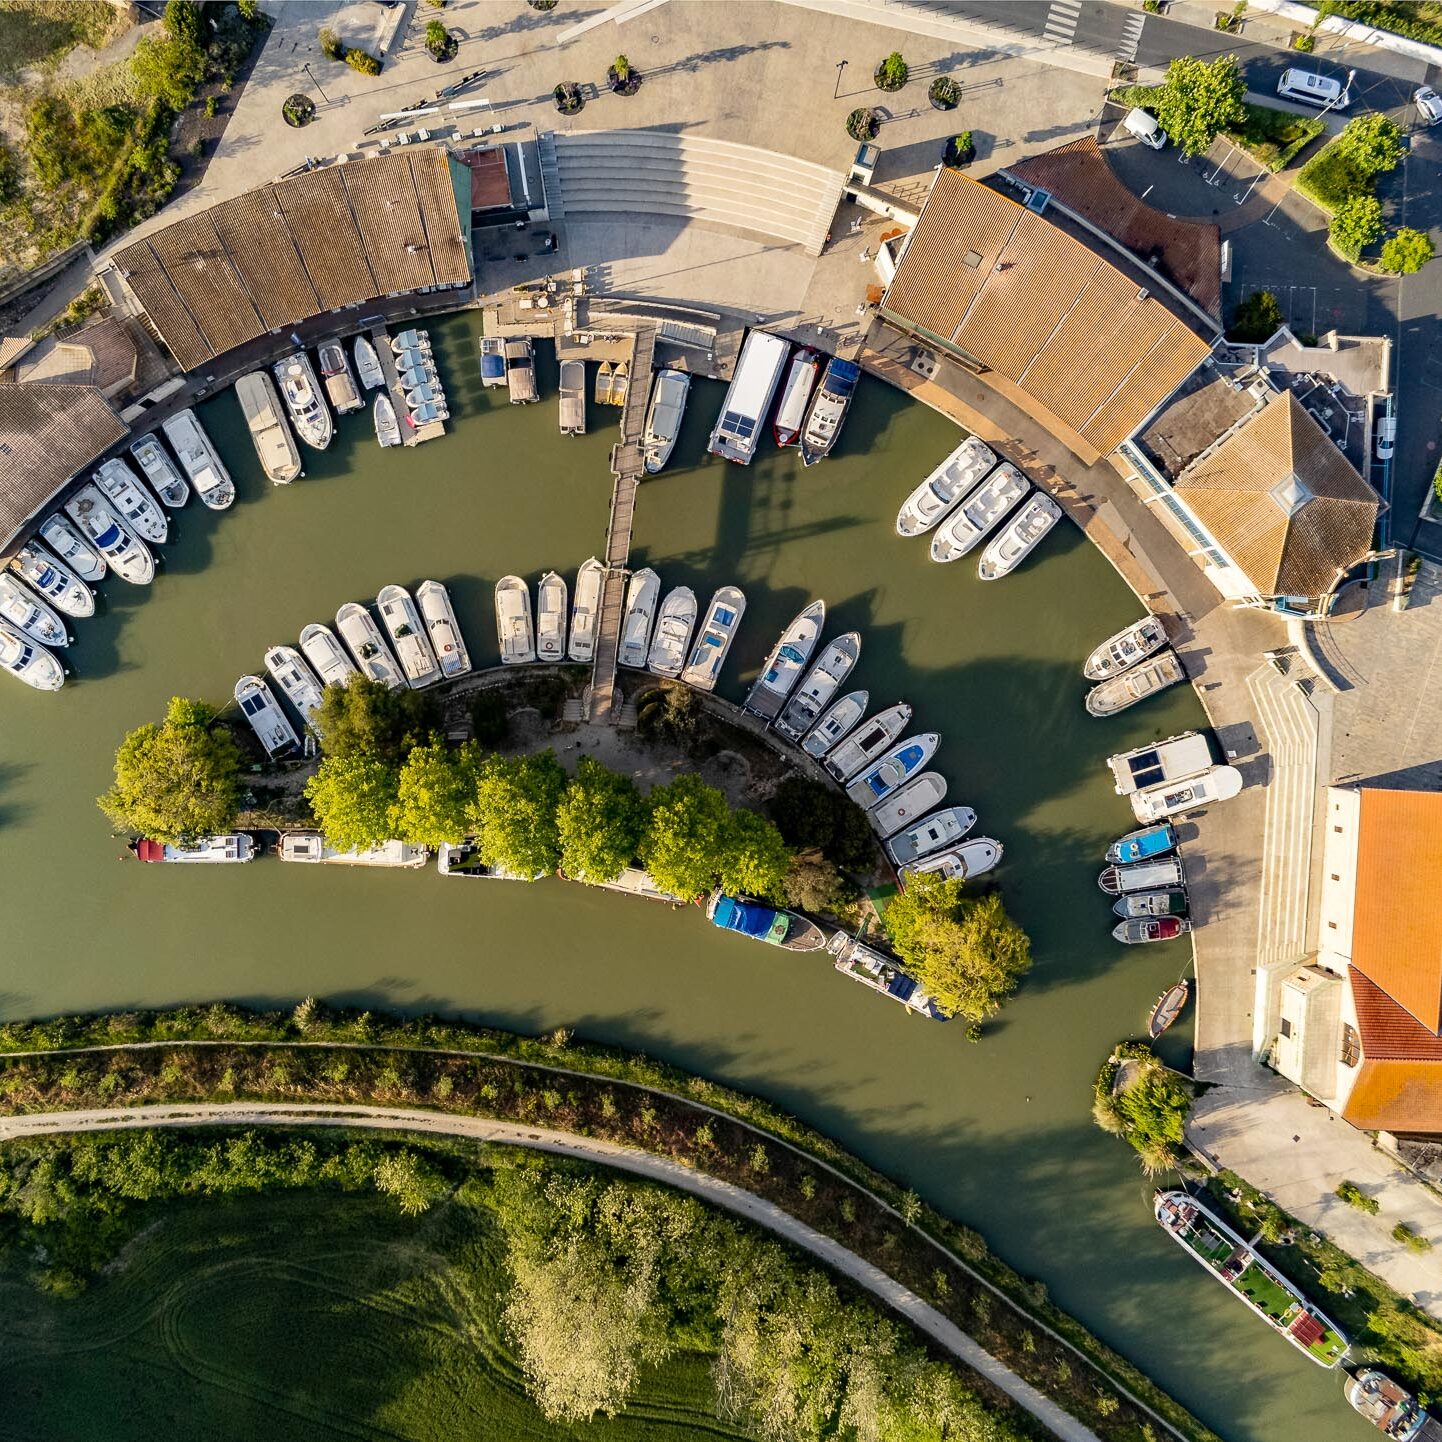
{"x": 1061, "y": 21}
{"x": 1131, "y": 37}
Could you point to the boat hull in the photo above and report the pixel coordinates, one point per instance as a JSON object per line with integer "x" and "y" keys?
{"x": 671, "y": 640}
{"x": 787, "y": 663}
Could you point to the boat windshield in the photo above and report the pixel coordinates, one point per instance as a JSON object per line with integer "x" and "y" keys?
{"x": 252, "y": 705}
{"x": 110, "y": 538}
{"x": 725, "y": 617}
{"x": 790, "y": 653}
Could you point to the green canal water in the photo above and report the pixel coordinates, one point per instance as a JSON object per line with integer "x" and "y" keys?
{"x": 996, "y": 1133}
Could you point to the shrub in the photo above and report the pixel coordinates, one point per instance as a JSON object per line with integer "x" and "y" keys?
{"x": 1354, "y": 1196}
{"x": 1356, "y": 223}
{"x": 945, "y": 93}
{"x": 363, "y": 61}
{"x": 892, "y": 73}
{"x": 1406, "y": 252}
{"x": 212, "y": 106}
{"x": 861, "y": 124}
{"x": 1410, "y": 1239}
{"x": 1304, "y": 43}
{"x": 330, "y": 45}
{"x": 621, "y": 68}
{"x": 1437, "y": 484}
{"x": 437, "y": 36}
{"x": 1256, "y": 319}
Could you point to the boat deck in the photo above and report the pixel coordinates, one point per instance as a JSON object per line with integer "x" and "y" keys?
{"x": 410, "y": 435}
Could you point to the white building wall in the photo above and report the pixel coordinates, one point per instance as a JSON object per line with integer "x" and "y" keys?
{"x": 1309, "y": 1030}
{"x": 1339, "y": 878}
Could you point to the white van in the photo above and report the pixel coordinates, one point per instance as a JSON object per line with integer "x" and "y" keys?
{"x": 1145, "y": 128}
{"x": 1386, "y": 437}
{"x": 1313, "y": 89}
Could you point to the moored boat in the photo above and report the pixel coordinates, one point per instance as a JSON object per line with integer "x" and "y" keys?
{"x": 1174, "y": 759}
{"x": 1107, "y": 698}
{"x": 1167, "y": 1008}
{"x": 642, "y": 592}
{"x": 199, "y": 460}
{"x": 271, "y": 726}
{"x": 1121, "y": 652}
{"x": 753, "y": 384}
{"x": 1143, "y": 845}
{"x": 1170, "y": 901}
{"x": 801, "y": 377}
{"x": 663, "y": 417}
{"x": 828, "y": 408}
{"x": 586, "y": 610}
{"x": 551, "y": 593}
{"x": 312, "y": 847}
{"x": 421, "y": 375}
{"x": 1221, "y": 783}
{"x": 367, "y": 646}
{"x": 274, "y": 444}
{"x": 948, "y": 483}
{"x": 845, "y": 759}
{"x": 31, "y": 662}
{"x": 125, "y": 554}
{"x": 671, "y": 640}
{"x": 410, "y": 340}
{"x": 881, "y": 972}
{"x": 837, "y": 724}
{"x": 303, "y": 399}
{"x": 1387, "y": 1405}
{"x": 979, "y": 513}
{"x": 408, "y": 636}
{"x": 298, "y": 683}
{"x": 513, "y": 621}
{"x": 29, "y": 615}
{"x": 786, "y": 662}
{"x": 443, "y": 629}
{"x": 620, "y": 383}
{"x": 1018, "y": 538}
{"x": 67, "y": 542}
{"x": 229, "y": 848}
{"x": 48, "y": 578}
{"x": 326, "y": 655}
{"x": 493, "y": 361}
{"x": 907, "y": 803}
{"x": 931, "y": 833}
{"x": 713, "y": 640}
{"x": 603, "y": 383}
{"x": 819, "y": 685}
{"x": 336, "y": 375}
{"x": 416, "y": 362}
{"x": 521, "y": 370}
{"x": 770, "y": 924}
{"x": 426, "y": 415}
{"x": 463, "y": 858}
{"x": 1142, "y": 930}
{"x": 974, "y": 857}
{"x": 159, "y": 470}
{"x": 893, "y": 770}
{"x": 368, "y": 364}
{"x": 1156, "y": 875}
{"x": 131, "y": 502}
{"x": 573, "y": 398}
{"x": 388, "y": 429}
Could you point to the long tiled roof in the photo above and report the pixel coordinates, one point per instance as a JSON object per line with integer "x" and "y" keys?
{"x": 280, "y": 253}
{"x": 1032, "y": 303}
{"x": 1399, "y": 1082}
{"x": 1283, "y": 501}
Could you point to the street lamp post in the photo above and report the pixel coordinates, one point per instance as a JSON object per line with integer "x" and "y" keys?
{"x": 840, "y": 66}
{"x": 306, "y": 67}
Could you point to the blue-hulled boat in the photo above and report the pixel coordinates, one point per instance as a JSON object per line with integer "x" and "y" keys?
{"x": 764, "y": 923}
{"x": 1142, "y": 845}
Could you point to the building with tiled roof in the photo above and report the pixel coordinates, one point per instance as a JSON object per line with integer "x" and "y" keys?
{"x": 100, "y": 354}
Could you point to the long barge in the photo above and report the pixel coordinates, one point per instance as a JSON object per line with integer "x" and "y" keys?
{"x": 758, "y": 373}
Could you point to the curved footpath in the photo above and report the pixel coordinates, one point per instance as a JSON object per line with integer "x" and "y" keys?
{"x": 922, "y": 1316}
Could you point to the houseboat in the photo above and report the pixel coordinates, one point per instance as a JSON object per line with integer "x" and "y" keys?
{"x": 367, "y": 645}
{"x": 713, "y": 641}
{"x": 125, "y": 554}
{"x": 1109, "y": 697}
{"x": 335, "y": 374}
{"x": 642, "y": 592}
{"x": 663, "y": 417}
{"x": 586, "y": 611}
{"x": 1161, "y": 874}
{"x": 298, "y": 683}
{"x": 312, "y": 847}
{"x": 442, "y": 628}
{"x": 1170, "y": 901}
{"x": 786, "y": 662}
{"x": 131, "y": 502}
{"x": 521, "y": 370}
{"x": 30, "y": 662}
{"x": 1019, "y": 538}
{"x": 493, "y": 361}
{"x": 796, "y": 396}
{"x": 671, "y": 640}
{"x": 1121, "y": 652}
{"x": 274, "y": 444}
{"x": 979, "y": 513}
{"x": 573, "y": 398}
{"x": 907, "y": 804}
{"x": 260, "y": 708}
{"x": 199, "y": 460}
{"x": 828, "y": 409}
{"x": 231, "y": 848}
{"x": 845, "y": 759}
{"x": 48, "y": 578}
{"x": 819, "y": 685}
{"x": 409, "y": 638}
{"x": 514, "y": 632}
{"x": 463, "y": 858}
{"x": 772, "y": 925}
{"x": 159, "y": 470}
{"x": 758, "y": 372}
{"x": 954, "y": 478}
{"x": 326, "y": 655}
{"x": 1159, "y": 762}
{"x": 883, "y": 973}
{"x": 303, "y": 399}
{"x": 1221, "y": 783}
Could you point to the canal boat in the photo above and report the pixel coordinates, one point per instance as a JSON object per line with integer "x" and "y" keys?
{"x": 671, "y": 641}
{"x": 881, "y": 972}
{"x": 951, "y": 480}
{"x": 1157, "y": 762}
{"x": 786, "y": 662}
{"x": 931, "y": 833}
{"x": 801, "y": 377}
{"x": 125, "y": 554}
{"x": 1110, "y": 697}
{"x": 1161, "y": 874}
{"x": 770, "y": 924}
{"x": 29, "y": 615}
{"x": 521, "y": 370}
{"x": 713, "y": 640}
{"x": 757, "y": 374}
{"x": 29, "y": 661}
{"x": 1143, "y": 845}
{"x": 463, "y": 858}
{"x": 663, "y": 417}
{"x": 131, "y": 502}
{"x": 642, "y": 592}
{"x": 828, "y": 409}
{"x": 1019, "y": 538}
{"x": 573, "y": 398}
{"x": 1221, "y": 783}
{"x": 974, "y": 857}
{"x": 893, "y": 770}
{"x": 312, "y": 847}
{"x": 326, "y": 655}
{"x": 1143, "y": 930}
{"x": 1167, "y": 1008}
{"x": 1210, "y": 1242}
{"x": 620, "y": 383}
{"x": 408, "y": 637}
{"x": 335, "y": 373}
{"x": 907, "y": 804}
{"x": 443, "y": 629}
{"x": 298, "y": 683}
{"x": 368, "y": 364}
{"x": 586, "y": 610}
{"x": 228, "y": 849}
{"x": 303, "y": 399}
{"x": 269, "y": 433}
{"x": 1121, "y": 652}
{"x": 1170, "y": 901}
{"x": 199, "y": 460}
{"x": 48, "y": 578}
{"x": 493, "y": 361}
{"x": 551, "y": 595}
{"x": 383, "y": 414}
{"x": 513, "y": 621}
{"x": 978, "y": 514}
{"x": 836, "y": 724}
{"x": 410, "y": 340}
{"x": 159, "y": 470}
{"x": 68, "y": 543}
{"x": 846, "y": 758}
{"x": 271, "y": 726}
{"x": 367, "y": 646}
{"x": 819, "y": 685}
{"x": 1387, "y": 1405}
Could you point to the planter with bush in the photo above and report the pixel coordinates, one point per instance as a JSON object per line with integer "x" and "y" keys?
{"x": 568, "y": 98}
{"x": 441, "y": 45}
{"x": 892, "y": 73}
{"x": 945, "y": 93}
{"x": 959, "y": 151}
{"x": 542, "y": 5}
{"x": 298, "y": 110}
{"x": 862, "y": 123}
{"x": 623, "y": 77}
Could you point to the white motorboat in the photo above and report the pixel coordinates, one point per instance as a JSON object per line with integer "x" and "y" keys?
{"x": 671, "y": 640}
{"x": 271, "y": 726}
{"x": 1121, "y": 652}
{"x": 753, "y": 385}
{"x": 408, "y": 636}
{"x": 713, "y": 640}
{"x": 125, "y": 554}
{"x": 427, "y": 415}
{"x": 1220, "y": 783}
{"x": 867, "y": 741}
{"x": 820, "y": 684}
{"x": 425, "y": 394}
{"x": 366, "y": 644}
{"x": 336, "y": 375}
{"x": 421, "y": 375}
{"x": 199, "y": 460}
{"x": 48, "y": 578}
{"x": 944, "y": 487}
{"x": 786, "y": 662}
{"x": 274, "y": 444}
{"x": 513, "y": 621}
{"x": 932, "y": 833}
{"x": 442, "y": 628}
{"x": 801, "y": 377}
{"x": 1018, "y": 538}
{"x": 882, "y": 972}
{"x": 551, "y": 618}
{"x": 231, "y": 848}
{"x": 312, "y": 847}
{"x": 131, "y": 502}
{"x": 326, "y": 655}
{"x": 828, "y": 409}
{"x": 303, "y": 399}
{"x": 416, "y": 362}
{"x": 68, "y": 543}
{"x": 368, "y": 364}
{"x": 1126, "y": 689}
{"x": 493, "y": 361}
{"x": 573, "y": 398}
{"x": 836, "y": 724}
{"x": 30, "y": 661}
{"x": 29, "y": 615}
{"x": 521, "y": 370}
{"x": 410, "y": 340}
{"x": 979, "y": 513}
{"x": 300, "y": 685}
{"x": 920, "y": 795}
{"x": 160, "y": 471}
{"x": 663, "y": 417}
{"x": 388, "y": 431}
{"x": 892, "y": 771}
{"x": 974, "y": 857}
{"x": 642, "y": 592}
{"x": 586, "y": 610}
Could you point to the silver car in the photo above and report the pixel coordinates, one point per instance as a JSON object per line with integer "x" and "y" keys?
{"x": 1429, "y": 105}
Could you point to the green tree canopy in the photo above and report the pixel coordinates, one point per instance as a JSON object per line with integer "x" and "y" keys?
{"x": 353, "y": 798}
{"x": 368, "y": 718}
{"x": 1406, "y": 252}
{"x": 515, "y": 812}
{"x": 813, "y": 884}
{"x": 168, "y": 68}
{"x": 1198, "y": 99}
{"x": 1256, "y": 319}
{"x": 178, "y": 780}
{"x": 600, "y": 822}
{"x": 1373, "y": 143}
{"x": 755, "y": 860}
{"x": 811, "y": 814}
{"x": 1356, "y": 223}
{"x": 687, "y": 837}
{"x": 435, "y": 794}
{"x": 968, "y": 953}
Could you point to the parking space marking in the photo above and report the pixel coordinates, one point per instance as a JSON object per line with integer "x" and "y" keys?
{"x": 1061, "y": 20}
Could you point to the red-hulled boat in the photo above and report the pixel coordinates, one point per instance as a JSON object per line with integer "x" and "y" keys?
{"x": 800, "y": 382}
{"x": 1138, "y": 930}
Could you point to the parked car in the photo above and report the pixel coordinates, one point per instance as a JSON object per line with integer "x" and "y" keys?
{"x": 1145, "y": 128}
{"x": 1307, "y": 86}
{"x": 1386, "y": 437}
{"x": 1429, "y": 104}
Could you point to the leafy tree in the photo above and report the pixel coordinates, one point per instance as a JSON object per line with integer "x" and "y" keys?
{"x": 367, "y": 718}
{"x": 755, "y": 860}
{"x": 515, "y": 812}
{"x": 811, "y": 814}
{"x": 968, "y": 953}
{"x": 178, "y": 780}
{"x": 1149, "y": 1110}
{"x": 893, "y": 72}
{"x": 1373, "y": 143}
{"x": 1356, "y": 223}
{"x": 687, "y": 836}
{"x": 490, "y": 718}
{"x": 330, "y": 44}
{"x": 1198, "y": 99}
{"x": 435, "y": 793}
{"x": 600, "y": 822}
{"x": 1406, "y": 252}
{"x": 409, "y": 1181}
{"x": 353, "y": 798}
{"x": 814, "y": 884}
{"x": 1256, "y": 319}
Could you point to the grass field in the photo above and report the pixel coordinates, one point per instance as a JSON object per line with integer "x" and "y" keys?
{"x": 297, "y": 1318}
{"x": 40, "y": 32}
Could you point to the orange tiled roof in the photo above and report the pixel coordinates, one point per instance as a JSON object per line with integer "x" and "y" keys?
{"x": 1399, "y": 1082}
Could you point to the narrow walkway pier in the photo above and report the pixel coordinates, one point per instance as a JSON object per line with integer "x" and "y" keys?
{"x": 410, "y": 435}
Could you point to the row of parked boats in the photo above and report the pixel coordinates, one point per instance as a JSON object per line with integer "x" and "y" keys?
{"x": 1130, "y": 666}
{"x": 966, "y": 498}
{"x": 1145, "y": 875}
{"x": 557, "y": 631}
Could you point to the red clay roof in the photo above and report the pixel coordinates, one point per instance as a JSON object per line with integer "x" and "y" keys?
{"x": 1399, "y": 1082}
